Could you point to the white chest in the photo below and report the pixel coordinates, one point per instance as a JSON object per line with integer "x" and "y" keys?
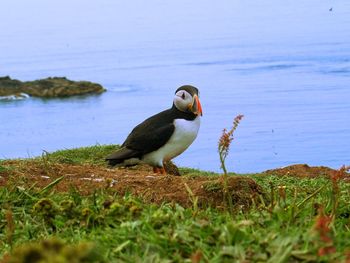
{"x": 185, "y": 133}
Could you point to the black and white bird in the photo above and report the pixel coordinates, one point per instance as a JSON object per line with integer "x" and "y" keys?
{"x": 163, "y": 136}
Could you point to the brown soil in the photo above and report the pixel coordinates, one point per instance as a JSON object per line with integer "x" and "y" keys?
{"x": 140, "y": 181}
{"x": 303, "y": 170}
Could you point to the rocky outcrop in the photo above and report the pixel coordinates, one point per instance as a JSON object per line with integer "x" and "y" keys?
{"x": 48, "y": 88}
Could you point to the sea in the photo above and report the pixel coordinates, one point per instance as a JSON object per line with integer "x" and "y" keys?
{"x": 284, "y": 65}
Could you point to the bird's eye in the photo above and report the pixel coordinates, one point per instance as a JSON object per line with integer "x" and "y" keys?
{"x": 183, "y": 96}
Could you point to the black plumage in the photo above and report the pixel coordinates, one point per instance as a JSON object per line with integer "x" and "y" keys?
{"x": 157, "y": 131}
{"x": 149, "y": 135}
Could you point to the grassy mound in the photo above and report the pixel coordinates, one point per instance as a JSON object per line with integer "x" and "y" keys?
{"x": 57, "y": 204}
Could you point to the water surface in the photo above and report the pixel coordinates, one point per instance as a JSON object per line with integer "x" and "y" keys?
{"x": 285, "y": 66}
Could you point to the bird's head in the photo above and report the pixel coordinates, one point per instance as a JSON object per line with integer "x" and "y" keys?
{"x": 187, "y": 100}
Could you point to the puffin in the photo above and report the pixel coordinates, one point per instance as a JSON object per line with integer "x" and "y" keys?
{"x": 163, "y": 136}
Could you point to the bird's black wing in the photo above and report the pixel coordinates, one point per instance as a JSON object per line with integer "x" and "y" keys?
{"x": 151, "y": 134}
{"x": 121, "y": 155}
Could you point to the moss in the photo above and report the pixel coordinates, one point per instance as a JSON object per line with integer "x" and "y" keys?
{"x": 54, "y": 251}
{"x": 45, "y": 207}
{"x": 213, "y": 186}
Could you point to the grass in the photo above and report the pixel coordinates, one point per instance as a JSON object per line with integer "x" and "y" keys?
{"x": 93, "y": 155}
{"x": 298, "y": 224}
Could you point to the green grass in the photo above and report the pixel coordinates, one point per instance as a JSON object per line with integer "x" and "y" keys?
{"x": 104, "y": 227}
{"x": 92, "y": 155}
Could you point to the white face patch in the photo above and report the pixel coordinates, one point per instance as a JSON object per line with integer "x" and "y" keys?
{"x": 183, "y": 100}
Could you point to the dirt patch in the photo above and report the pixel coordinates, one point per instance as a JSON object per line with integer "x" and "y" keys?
{"x": 139, "y": 181}
{"x": 303, "y": 170}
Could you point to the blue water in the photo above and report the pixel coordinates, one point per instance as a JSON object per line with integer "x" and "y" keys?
{"x": 284, "y": 65}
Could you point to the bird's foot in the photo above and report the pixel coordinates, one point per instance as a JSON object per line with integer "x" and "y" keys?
{"x": 159, "y": 170}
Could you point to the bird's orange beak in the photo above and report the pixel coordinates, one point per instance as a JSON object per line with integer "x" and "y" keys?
{"x": 196, "y": 106}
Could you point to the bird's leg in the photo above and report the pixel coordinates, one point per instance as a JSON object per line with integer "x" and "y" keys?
{"x": 162, "y": 171}
{"x": 159, "y": 170}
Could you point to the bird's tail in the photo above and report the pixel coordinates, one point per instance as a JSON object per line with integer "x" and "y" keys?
{"x": 120, "y": 156}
